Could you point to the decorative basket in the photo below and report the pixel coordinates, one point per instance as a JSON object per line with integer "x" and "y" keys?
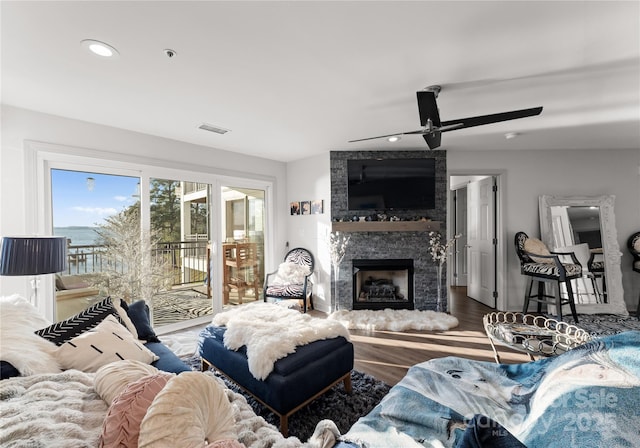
{"x": 536, "y": 335}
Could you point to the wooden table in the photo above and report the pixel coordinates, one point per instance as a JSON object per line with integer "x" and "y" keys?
{"x": 240, "y": 269}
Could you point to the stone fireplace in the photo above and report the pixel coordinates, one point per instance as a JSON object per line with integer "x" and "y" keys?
{"x": 380, "y": 284}
{"x": 406, "y": 239}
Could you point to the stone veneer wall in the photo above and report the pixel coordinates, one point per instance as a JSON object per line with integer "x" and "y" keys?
{"x": 385, "y": 245}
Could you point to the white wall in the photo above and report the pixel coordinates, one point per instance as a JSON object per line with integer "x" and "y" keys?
{"x": 530, "y": 174}
{"x": 309, "y": 179}
{"x": 527, "y": 175}
{"x": 19, "y": 125}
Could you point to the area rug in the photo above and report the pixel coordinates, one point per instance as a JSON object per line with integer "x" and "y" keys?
{"x": 394, "y": 320}
{"x": 336, "y": 404}
{"x": 178, "y": 306}
{"x": 603, "y": 324}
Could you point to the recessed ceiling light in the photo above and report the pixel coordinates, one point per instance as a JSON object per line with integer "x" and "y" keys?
{"x": 394, "y": 138}
{"x": 99, "y": 48}
{"x": 510, "y": 135}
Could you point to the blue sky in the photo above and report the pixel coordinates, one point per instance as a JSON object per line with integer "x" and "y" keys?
{"x": 75, "y": 204}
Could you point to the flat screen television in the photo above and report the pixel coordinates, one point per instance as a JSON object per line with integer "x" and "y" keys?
{"x": 391, "y": 184}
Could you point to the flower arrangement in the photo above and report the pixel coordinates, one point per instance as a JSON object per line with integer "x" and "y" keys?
{"x": 337, "y": 247}
{"x": 437, "y": 249}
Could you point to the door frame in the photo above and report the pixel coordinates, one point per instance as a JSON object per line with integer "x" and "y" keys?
{"x": 501, "y": 234}
{"x": 459, "y": 226}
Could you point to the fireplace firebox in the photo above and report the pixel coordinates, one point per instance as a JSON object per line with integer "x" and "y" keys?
{"x": 380, "y": 284}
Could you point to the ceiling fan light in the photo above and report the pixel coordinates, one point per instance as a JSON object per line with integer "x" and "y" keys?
{"x": 394, "y": 138}
{"x": 511, "y": 135}
{"x": 99, "y": 48}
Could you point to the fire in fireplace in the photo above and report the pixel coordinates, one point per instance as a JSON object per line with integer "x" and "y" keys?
{"x": 379, "y": 284}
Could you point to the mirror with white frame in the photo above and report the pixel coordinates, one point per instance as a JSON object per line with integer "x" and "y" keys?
{"x": 569, "y": 223}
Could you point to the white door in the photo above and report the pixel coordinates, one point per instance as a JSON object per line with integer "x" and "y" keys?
{"x": 480, "y": 241}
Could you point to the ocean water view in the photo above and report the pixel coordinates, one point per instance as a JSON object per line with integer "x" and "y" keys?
{"x": 79, "y": 235}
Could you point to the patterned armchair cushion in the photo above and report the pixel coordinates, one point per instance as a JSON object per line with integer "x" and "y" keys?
{"x": 551, "y": 270}
{"x": 300, "y": 256}
{"x": 286, "y": 290}
{"x": 596, "y": 266}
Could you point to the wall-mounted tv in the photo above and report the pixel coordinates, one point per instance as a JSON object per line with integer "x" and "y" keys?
{"x": 391, "y": 184}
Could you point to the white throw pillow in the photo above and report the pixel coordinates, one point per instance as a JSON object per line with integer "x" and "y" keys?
{"x": 190, "y": 411}
{"x": 108, "y": 342}
{"x": 112, "y": 379}
{"x": 290, "y": 273}
{"x": 19, "y": 345}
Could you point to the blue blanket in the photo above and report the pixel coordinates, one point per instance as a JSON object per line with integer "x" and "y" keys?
{"x": 587, "y": 397}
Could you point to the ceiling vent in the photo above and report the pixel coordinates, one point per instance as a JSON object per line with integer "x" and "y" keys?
{"x": 212, "y": 128}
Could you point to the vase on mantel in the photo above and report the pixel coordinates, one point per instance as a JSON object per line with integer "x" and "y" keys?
{"x": 440, "y": 301}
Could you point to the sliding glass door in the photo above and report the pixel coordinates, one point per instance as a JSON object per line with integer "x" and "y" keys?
{"x": 99, "y": 214}
{"x": 157, "y": 234}
{"x": 243, "y": 223}
{"x": 180, "y": 224}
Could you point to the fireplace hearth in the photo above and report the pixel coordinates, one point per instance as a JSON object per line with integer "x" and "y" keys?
{"x": 379, "y": 284}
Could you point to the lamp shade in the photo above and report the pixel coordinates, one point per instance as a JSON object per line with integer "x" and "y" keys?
{"x": 33, "y": 255}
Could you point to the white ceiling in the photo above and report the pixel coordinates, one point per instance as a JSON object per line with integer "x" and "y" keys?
{"x": 296, "y": 79}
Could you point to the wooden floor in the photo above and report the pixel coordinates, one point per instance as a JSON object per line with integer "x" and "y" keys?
{"x": 387, "y": 355}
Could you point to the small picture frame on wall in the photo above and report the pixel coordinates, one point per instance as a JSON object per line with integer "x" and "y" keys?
{"x": 305, "y": 207}
{"x": 295, "y": 208}
{"x": 317, "y": 207}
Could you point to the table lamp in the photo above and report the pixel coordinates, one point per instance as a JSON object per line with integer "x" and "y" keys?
{"x": 33, "y": 256}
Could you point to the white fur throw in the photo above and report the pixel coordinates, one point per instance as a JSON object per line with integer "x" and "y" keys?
{"x": 290, "y": 273}
{"x": 394, "y": 320}
{"x": 21, "y": 347}
{"x": 271, "y": 332}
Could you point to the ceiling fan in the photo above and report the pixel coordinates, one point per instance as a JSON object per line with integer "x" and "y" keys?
{"x": 432, "y": 127}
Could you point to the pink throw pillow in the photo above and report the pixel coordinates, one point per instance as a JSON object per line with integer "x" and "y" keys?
{"x": 121, "y": 426}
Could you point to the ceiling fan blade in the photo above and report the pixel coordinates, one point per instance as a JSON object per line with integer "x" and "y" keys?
{"x": 371, "y": 138}
{"x": 428, "y": 108}
{"x": 450, "y": 127}
{"x": 420, "y": 131}
{"x": 433, "y": 139}
{"x": 492, "y": 118}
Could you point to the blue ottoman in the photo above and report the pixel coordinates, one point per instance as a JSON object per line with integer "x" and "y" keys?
{"x": 295, "y": 381}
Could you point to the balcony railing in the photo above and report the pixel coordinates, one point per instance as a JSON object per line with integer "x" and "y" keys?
{"x": 86, "y": 259}
{"x": 192, "y": 187}
{"x": 187, "y": 261}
